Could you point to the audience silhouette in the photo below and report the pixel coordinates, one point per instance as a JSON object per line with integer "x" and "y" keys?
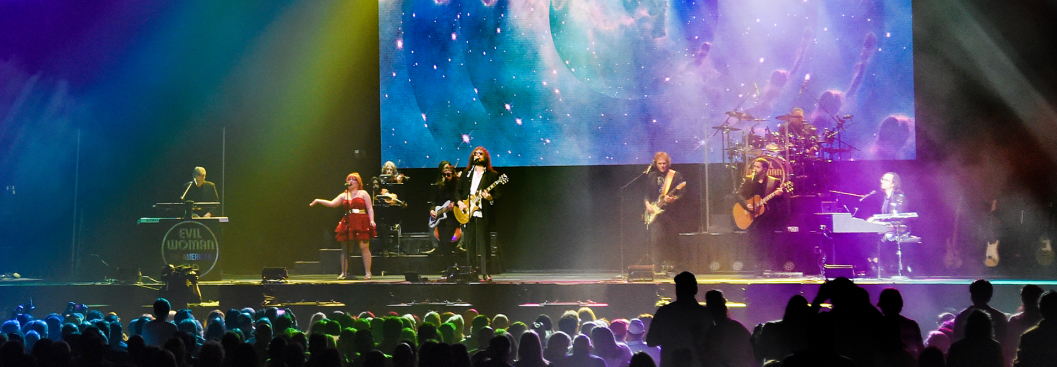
{"x": 840, "y": 327}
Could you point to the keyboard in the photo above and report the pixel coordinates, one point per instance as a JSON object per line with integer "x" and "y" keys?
{"x": 146, "y": 220}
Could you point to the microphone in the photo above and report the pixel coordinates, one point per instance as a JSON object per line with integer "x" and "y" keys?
{"x": 804, "y": 86}
{"x": 648, "y": 168}
{"x": 847, "y": 117}
{"x": 872, "y": 192}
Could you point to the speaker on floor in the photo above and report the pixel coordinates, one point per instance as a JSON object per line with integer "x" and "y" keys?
{"x": 413, "y": 277}
{"x": 271, "y": 275}
{"x": 125, "y": 275}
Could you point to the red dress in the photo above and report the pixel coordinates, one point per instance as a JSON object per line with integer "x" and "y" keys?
{"x": 360, "y": 228}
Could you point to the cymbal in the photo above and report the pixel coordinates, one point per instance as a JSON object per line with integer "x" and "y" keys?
{"x": 836, "y": 150}
{"x": 740, "y": 115}
{"x": 784, "y": 117}
{"x": 726, "y": 128}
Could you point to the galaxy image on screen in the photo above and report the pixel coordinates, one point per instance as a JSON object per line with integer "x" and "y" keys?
{"x": 607, "y": 82}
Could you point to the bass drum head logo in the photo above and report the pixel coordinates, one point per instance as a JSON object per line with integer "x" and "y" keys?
{"x": 191, "y": 243}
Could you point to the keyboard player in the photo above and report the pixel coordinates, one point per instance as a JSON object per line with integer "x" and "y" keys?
{"x": 893, "y": 203}
{"x": 199, "y": 190}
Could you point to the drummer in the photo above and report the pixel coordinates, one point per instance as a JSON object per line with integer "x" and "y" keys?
{"x": 794, "y": 123}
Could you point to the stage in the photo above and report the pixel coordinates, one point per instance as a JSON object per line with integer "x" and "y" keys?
{"x": 519, "y": 295}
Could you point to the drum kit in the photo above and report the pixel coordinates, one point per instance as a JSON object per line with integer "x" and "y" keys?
{"x": 793, "y": 152}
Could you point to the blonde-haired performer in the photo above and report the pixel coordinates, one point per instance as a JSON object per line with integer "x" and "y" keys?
{"x": 663, "y": 187}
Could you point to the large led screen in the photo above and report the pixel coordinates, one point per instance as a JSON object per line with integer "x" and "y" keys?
{"x": 600, "y": 82}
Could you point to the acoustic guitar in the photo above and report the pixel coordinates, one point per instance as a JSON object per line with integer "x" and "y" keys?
{"x": 649, "y": 217}
{"x": 744, "y": 217}
{"x": 473, "y": 203}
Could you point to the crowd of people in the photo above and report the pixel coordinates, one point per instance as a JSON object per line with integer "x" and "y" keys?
{"x": 839, "y": 327}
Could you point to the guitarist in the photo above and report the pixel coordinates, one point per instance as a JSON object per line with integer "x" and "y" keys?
{"x": 478, "y": 175}
{"x": 664, "y": 234}
{"x": 761, "y": 231}
{"x": 446, "y": 186}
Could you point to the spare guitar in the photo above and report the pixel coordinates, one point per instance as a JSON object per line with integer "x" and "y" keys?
{"x": 953, "y": 258}
{"x": 991, "y": 256}
{"x": 1044, "y": 256}
{"x": 743, "y": 217}
{"x": 658, "y": 205}
{"x": 991, "y": 260}
{"x": 474, "y": 202}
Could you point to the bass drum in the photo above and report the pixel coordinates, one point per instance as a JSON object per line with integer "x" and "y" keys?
{"x": 777, "y": 167}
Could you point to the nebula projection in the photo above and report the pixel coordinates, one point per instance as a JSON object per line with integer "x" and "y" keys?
{"x": 604, "y": 82}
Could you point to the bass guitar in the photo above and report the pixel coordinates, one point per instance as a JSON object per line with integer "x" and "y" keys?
{"x": 657, "y": 206}
{"x": 953, "y": 259}
{"x": 743, "y": 217}
{"x": 441, "y": 214}
{"x": 474, "y": 202}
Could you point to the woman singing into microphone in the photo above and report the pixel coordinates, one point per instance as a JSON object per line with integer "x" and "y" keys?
{"x": 357, "y": 224}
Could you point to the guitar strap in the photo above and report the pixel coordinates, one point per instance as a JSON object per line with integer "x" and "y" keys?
{"x": 668, "y": 182}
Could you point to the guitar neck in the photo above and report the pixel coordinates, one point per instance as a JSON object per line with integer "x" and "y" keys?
{"x": 769, "y": 197}
{"x": 492, "y": 186}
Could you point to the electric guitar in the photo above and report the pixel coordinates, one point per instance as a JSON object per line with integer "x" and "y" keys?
{"x": 743, "y": 217}
{"x": 991, "y": 260}
{"x": 442, "y": 214}
{"x": 991, "y": 257}
{"x": 1044, "y": 256}
{"x": 474, "y": 202}
{"x": 657, "y": 205}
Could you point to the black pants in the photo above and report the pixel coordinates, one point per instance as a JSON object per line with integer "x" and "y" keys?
{"x": 664, "y": 241}
{"x": 478, "y": 250}
{"x": 763, "y": 242}
{"x": 445, "y": 246}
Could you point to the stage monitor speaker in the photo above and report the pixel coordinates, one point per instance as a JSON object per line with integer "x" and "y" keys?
{"x": 836, "y": 271}
{"x": 270, "y": 275}
{"x": 126, "y": 275}
{"x": 413, "y": 277}
{"x": 460, "y": 274}
{"x": 640, "y": 273}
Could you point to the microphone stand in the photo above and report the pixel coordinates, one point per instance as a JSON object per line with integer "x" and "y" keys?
{"x": 345, "y": 247}
{"x": 623, "y": 262}
{"x": 189, "y": 207}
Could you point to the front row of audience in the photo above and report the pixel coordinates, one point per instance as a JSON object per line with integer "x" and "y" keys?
{"x": 852, "y": 332}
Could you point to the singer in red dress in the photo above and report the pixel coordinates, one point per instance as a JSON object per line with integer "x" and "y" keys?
{"x": 357, "y": 225}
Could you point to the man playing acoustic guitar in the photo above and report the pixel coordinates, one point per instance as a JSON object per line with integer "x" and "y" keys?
{"x": 663, "y": 187}
{"x": 761, "y": 230}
